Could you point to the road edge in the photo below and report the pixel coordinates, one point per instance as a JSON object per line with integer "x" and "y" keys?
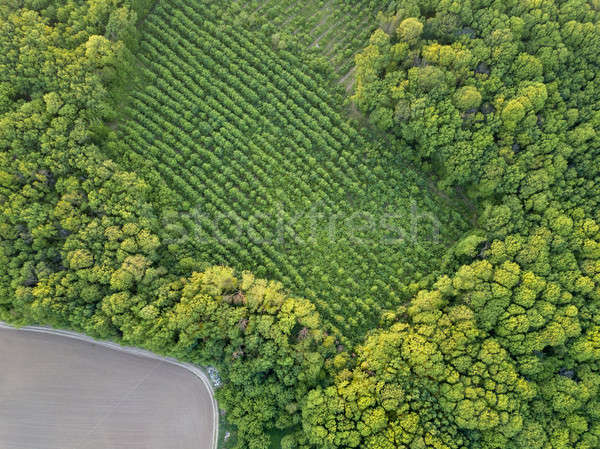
{"x": 195, "y": 370}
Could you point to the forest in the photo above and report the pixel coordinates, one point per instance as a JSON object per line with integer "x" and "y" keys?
{"x": 378, "y": 220}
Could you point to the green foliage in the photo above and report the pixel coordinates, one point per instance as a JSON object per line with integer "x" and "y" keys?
{"x": 510, "y": 90}
{"x": 409, "y": 30}
{"x": 330, "y": 32}
{"x": 467, "y": 97}
{"x": 496, "y": 107}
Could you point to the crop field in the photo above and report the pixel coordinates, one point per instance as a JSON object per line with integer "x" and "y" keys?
{"x": 89, "y": 395}
{"x": 270, "y": 176}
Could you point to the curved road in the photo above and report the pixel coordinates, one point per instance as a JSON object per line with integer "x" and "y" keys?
{"x": 61, "y": 390}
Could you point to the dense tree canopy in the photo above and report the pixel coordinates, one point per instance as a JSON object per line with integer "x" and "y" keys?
{"x": 500, "y": 100}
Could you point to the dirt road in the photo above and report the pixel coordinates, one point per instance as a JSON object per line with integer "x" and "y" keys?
{"x": 58, "y": 392}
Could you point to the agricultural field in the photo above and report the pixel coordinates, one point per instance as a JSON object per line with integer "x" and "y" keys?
{"x": 269, "y": 175}
{"x": 106, "y": 395}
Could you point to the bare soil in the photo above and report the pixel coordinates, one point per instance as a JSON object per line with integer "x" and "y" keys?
{"x": 61, "y": 393}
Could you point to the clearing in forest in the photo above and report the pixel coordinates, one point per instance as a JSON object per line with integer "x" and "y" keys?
{"x": 268, "y": 174}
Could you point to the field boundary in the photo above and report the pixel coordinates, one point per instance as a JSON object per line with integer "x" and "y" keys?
{"x": 195, "y": 370}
